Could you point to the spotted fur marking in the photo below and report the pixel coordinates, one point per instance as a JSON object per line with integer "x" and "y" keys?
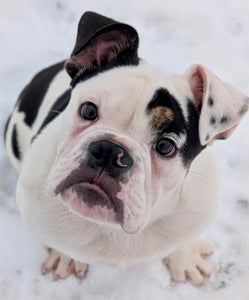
{"x": 210, "y": 101}
{"x": 224, "y": 120}
{"x": 243, "y": 109}
{"x": 213, "y": 120}
{"x": 161, "y": 118}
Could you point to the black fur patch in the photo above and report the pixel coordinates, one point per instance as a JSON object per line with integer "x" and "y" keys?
{"x": 224, "y": 120}
{"x": 212, "y": 120}
{"x": 14, "y": 143}
{"x": 163, "y": 98}
{"x": 6, "y": 128}
{"x": 58, "y": 107}
{"x": 210, "y": 101}
{"x": 243, "y": 109}
{"x": 101, "y": 44}
{"x": 192, "y": 146}
{"x": 117, "y": 62}
{"x": 190, "y": 127}
{"x": 31, "y": 97}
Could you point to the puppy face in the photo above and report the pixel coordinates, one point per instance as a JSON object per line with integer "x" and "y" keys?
{"x": 124, "y": 146}
{"x": 129, "y": 134}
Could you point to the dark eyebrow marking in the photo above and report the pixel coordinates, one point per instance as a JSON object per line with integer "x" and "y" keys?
{"x": 190, "y": 126}
{"x": 166, "y": 112}
{"x": 161, "y": 118}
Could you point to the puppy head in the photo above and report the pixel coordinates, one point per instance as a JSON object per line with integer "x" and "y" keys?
{"x": 129, "y": 135}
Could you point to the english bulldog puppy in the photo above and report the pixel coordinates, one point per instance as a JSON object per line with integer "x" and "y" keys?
{"x": 113, "y": 158}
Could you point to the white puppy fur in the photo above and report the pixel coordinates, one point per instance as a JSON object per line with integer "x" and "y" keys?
{"x": 181, "y": 204}
{"x": 166, "y": 203}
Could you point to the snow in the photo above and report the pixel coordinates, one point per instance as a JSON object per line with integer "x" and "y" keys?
{"x": 174, "y": 35}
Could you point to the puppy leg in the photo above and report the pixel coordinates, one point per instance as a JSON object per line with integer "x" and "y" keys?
{"x": 63, "y": 266}
{"x": 189, "y": 262}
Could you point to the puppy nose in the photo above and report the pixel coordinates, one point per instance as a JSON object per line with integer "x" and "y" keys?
{"x": 111, "y": 157}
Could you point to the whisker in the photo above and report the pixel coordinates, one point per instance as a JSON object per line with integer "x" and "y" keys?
{"x": 191, "y": 171}
{"x": 56, "y": 111}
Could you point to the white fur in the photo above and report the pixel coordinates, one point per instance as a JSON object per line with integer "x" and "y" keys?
{"x": 174, "y": 204}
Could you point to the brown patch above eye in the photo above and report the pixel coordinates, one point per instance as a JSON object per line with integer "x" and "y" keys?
{"x": 161, "y": 117}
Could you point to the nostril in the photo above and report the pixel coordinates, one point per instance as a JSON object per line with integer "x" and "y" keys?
{"x": 127, "y": 161}
{"x": 98, "y": 152}
{"x": 123, "y": 160}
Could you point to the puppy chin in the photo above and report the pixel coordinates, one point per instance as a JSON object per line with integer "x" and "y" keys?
{"x": 102, "y": 199}
{"x": 90, "y": 202}
{"x": 104, "y": 214}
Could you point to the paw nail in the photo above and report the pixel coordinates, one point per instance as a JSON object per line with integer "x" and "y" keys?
{"x": 44, "y": 270}
{"x": 57, "y": 277}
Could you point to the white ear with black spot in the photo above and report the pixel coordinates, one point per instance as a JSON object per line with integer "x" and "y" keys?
{"x": 102, "y": 42}
{"x": 220, "y": 105}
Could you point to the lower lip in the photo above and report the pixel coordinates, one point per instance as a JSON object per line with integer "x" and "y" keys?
{"x": 90, "y": 201}
{"x": 92, "y": 195}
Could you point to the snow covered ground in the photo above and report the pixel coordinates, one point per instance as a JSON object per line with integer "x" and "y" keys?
{"x": 173, "y": 34}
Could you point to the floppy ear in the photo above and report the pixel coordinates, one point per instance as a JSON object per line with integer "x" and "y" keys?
{"x": 220, "y": 105}
{"x": 101, "y": 43}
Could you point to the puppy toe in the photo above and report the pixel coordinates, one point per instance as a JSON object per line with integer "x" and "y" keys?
{"x": 51, "y": 262}
{"x": 63, "y": 269}
{"x": 81, "y": 269}
{"x": 195, "y": 276}
{"x": 204, "y": 266}
{"x": 178, "y": 275}
{"x": 204, "y": 248}
{"x": 63, "y": 266}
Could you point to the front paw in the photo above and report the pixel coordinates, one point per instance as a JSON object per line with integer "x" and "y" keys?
{"x": 63, "y": 266}
{"x": 190, "y": 262}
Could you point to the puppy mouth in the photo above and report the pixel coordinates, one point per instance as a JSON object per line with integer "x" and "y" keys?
{"x": 95, "y": 196}
{"x": 91, "y": 195}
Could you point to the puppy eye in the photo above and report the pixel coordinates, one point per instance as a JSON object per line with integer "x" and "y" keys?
{"x": 88, "y": 111}
{"x": 165, "y": 147}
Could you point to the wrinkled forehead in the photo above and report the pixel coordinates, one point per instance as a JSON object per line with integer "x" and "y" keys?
{"x": 140, "y": 91}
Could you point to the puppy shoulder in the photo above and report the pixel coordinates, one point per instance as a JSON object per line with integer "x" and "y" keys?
{"x": 201, "y": 181}
{"x": 205, "y": 163}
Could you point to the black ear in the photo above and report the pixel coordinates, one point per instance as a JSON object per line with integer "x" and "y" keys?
{"x": 102, "y": 43}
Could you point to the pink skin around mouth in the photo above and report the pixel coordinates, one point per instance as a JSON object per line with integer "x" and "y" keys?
{"x": 103, "y": 210}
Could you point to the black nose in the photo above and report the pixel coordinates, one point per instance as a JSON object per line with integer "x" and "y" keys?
{"x": 110, "y": 157}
